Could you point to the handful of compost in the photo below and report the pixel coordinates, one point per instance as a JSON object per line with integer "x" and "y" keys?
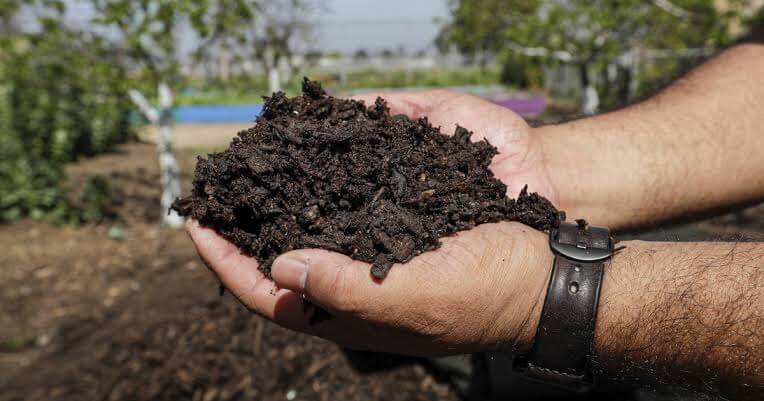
{"x": 320, "y": 172}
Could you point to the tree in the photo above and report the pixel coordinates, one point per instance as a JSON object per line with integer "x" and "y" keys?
{"x": 267, "y": 31}
{"x": 148, "y": 36}
{"x": 590, "y": 35}
{"x": 169, "y": 179}
{"x": 222, "y": 26}
{"x": 313, "y": 57}
{"x": 360, "y": 55}
{"x": 8, "y": 11}
{"x": 281, "y": 24}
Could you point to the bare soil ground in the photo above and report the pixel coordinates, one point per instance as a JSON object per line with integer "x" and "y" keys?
{"x": 84, "y": 316}
{"x": 87, "y": 317}
{"x": 198, "y": 136}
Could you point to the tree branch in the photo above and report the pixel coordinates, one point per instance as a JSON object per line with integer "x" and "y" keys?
{"x": 140, "y": 101}
{"x": 560, "y": 55}
{"x": 672, "y": 9}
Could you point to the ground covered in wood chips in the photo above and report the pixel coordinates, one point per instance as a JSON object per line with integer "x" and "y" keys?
{"x": 321, "y": 172}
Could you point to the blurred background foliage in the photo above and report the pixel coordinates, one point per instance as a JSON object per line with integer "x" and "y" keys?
{"x": 247, "y": 89}
{"x": 62, "y": 90}
{"x": 61, "y": 98}
{"x": 601, "y": 39}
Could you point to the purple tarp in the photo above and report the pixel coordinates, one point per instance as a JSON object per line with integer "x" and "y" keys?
{"x": 528, "y": 107}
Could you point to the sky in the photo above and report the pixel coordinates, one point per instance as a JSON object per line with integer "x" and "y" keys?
{"x": 349, "y": 25}
{"x": 374, "y": 25}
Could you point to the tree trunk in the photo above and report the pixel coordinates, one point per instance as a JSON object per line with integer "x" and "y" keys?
{"x": 272, "y": 69}
{"x": 168, "y": 165}
{"x": 624, "y": 86}
{"x": 274, "y": 82}
{"x": 224, "y": 65}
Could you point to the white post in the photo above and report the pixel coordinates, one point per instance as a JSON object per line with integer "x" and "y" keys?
{"x": 591, "y": 100}
{"x": 168, "y": 165}
{"x": 274, "y": 82}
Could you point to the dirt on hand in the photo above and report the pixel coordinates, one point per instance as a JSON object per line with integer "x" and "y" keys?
{"x": 321, "y": 172}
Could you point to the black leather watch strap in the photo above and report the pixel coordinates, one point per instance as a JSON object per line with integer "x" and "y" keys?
{"x": 562, "y": 347}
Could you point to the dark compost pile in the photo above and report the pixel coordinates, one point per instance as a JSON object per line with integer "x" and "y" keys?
{"x": 320, "y": 172}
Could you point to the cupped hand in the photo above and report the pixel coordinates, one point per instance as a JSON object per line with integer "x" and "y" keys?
{"x": 483, "y": 289}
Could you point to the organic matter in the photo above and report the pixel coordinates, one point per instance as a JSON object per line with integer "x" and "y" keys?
{"x": 320, "y": 172}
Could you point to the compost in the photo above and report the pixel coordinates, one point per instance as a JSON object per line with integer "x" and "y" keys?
{"x": 321, "y": 172}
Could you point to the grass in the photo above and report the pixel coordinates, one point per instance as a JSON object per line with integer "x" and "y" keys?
{"x": 16, "y": 343}
{"x": 421, "y": 78}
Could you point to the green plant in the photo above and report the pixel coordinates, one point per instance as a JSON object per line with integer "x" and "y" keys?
{"x": 95, "y": 198}
{"x": 61, "y": 98}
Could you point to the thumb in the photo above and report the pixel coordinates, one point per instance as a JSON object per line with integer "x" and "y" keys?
{"x": 332, "y": 280}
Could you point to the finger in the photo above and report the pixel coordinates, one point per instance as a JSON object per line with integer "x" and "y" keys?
{"x": 240, "y": 274}
{"x": 341, "y": 284}
{"x": 237, "y": 271}
{"x": 259, "y": 294}
{"x": 330, "y": 279}
{"x": 448, "y": 108}
{"x": 413, "y": 104}
{"x": 367, "y": 314}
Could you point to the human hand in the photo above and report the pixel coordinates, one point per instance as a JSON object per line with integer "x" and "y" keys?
{"x": 483, "y": 288}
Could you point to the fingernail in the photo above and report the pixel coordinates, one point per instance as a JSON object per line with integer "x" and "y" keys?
{"x": 290, "y": 272}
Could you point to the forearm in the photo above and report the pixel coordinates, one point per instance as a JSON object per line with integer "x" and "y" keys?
{"x": 696, "y": 146}
{"x": 683, "y": 313}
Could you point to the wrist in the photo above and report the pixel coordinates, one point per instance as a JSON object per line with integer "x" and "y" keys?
{"x": 532, "y": 259}
{"x": 575, "y": 158}
{"x": 569, "y": 183}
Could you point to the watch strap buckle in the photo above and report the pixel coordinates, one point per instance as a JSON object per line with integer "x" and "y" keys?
{"x": 581, "y": 243}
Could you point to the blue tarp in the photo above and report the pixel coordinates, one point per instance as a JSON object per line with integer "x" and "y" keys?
{"x": 244, "y": 113}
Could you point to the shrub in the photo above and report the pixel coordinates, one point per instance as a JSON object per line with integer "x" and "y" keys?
{"x": 61, "y": 98}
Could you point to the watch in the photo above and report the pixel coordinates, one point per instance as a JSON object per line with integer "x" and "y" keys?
{"x": 561, "y": 349}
